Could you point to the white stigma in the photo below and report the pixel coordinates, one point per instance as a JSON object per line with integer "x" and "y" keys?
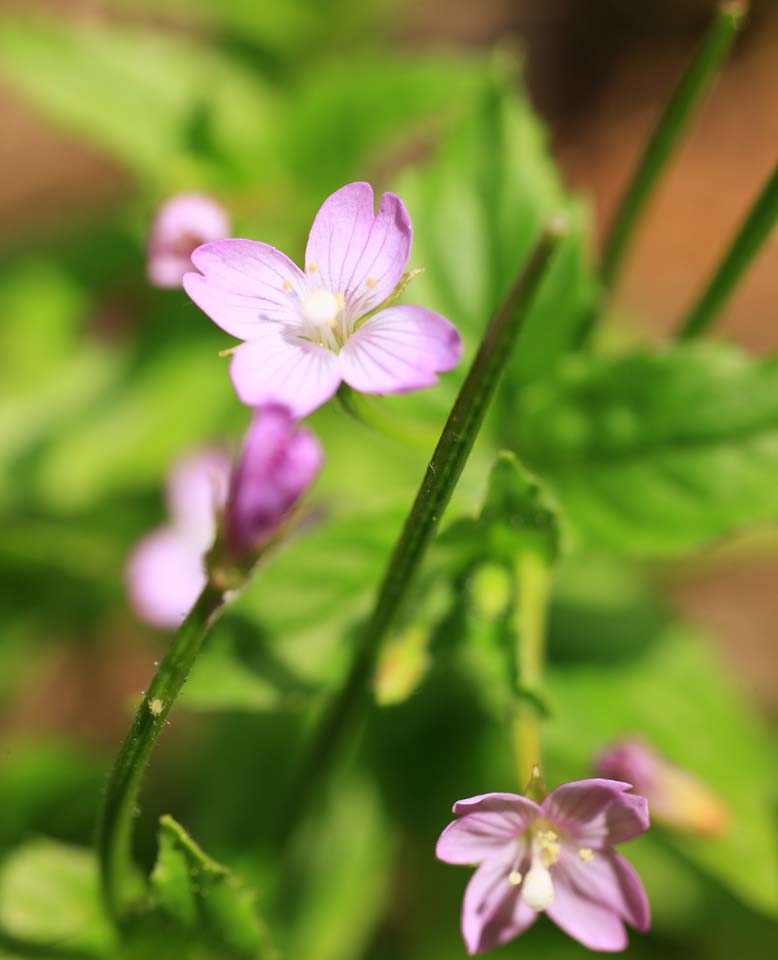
{"x": 320, "y": 308}
{"x": 537, "y": 891}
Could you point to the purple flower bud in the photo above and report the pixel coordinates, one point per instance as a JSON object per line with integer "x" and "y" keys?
{"x": 181, "y": 225}
{"x": 280, "y": 460}
{"x": 675, "y": 796}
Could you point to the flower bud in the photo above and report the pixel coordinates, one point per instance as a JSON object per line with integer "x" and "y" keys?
{"x": 675, "y": 796}
{"x": 280, "y": 460}
{"x": 181, "y": 225}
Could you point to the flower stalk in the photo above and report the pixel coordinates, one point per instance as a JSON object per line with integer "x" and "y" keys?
{"x": 440, "y": 479}
{"x": 533, "y": 588}
{"x": 667, "y": 133}
{"x": 115, "y": 827}
{"x": 755, "y": 229}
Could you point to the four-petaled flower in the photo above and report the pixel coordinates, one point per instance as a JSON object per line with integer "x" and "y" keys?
{"x": 182, "y": 224}
{"x": 305, "y": 332}
{"x": 556, "y": 856}
{"x": 279, "y": 461}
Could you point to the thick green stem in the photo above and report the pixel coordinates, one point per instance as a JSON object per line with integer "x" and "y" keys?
{"x": 533, "y": 587}
{"x": 760, "y": 220}
{"x": 115, "y": 827}
{"x": 438, "y": 484}
{"x": 675, "y": 119}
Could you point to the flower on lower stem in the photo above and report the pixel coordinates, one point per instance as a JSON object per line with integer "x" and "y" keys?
{"x": 242, "y": 508}
{"x": 676, "y": 797}
{"x": 555, "y": 857}
{"x": 307, "y": 331}
{"x": 182, "y": 224}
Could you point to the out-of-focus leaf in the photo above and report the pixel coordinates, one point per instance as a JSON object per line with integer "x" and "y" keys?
{"x": 202, "y": 898}
{"x": 683, "y": 702}
{"x": 49, "y": 894}
{"x": 657, "y": 452}
{"x": 478, "y": 206}
{"x": 343, "y": 864}
{"x": 137, "y": 93}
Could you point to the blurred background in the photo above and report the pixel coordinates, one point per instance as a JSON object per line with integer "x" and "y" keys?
{"x": 109, "y": 107}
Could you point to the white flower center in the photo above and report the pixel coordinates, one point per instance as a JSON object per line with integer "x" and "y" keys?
{"x": 537, "y": 890}
{"x": 320, "y": 308}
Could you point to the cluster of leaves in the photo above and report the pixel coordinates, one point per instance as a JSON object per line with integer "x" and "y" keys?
{"x": 639, "y": 454}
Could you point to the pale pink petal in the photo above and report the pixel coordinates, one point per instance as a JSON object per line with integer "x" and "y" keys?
{"x": 491, "y": 911}
{"x": 356, "y": 252}
{"x": 182, "y": 224}
{"x": 244, "y": 284}
{"x": 595, "y": 926}
{"x": 196, "y": 492}
{"x": 478, "y": 836}
{"x": 164, "y": 577}
{"x": 401, "y": 348}
{"x": 280, "y": 369}
{"x": 608, "y": 879}
{"x": 597, "y": 812}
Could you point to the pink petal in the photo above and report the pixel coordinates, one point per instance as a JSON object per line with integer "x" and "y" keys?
{"x": 243, "y": 285}
{"x": 401, "y": 348}
{"x": 164, "y": 577}
{"x": 509, "y": 804}
{"x": 196, "y": 491}
{"x": 492, "y": 912}
{"x": 353, "y": 251}
{"x": 597, "y": 812}
{"x": 281, "y": 369}
{"x": 479, "y": 836}
{"x": 182, "y": 224}
{"x": 595, "y": 926}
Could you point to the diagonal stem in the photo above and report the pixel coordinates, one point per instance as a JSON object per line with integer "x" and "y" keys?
{"x": 115, "y": 826}
{"x": 675, "y": 119}
{"x": 760, "y": 220}
{"x": 438, "y": 484}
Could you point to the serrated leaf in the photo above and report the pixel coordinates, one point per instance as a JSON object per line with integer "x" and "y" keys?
{"x": 202, "y": 897}
{"x": 679, "y": 698}
{"x": 657, "y": 452}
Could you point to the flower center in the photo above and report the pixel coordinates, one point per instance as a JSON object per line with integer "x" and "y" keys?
{"x": 537, "y": 890}
{"x": 320, "y": 308}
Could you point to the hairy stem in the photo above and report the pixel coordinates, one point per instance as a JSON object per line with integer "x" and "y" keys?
{"x": 760, "y": 220}
{"x": 115, "y": 826}
{"x": 533, "y": 587}
{"x": 436, "y": 488}
{"x": 667, "y": 133}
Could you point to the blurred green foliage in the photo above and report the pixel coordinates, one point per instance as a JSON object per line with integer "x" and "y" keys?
{"x": 647, "y": 453}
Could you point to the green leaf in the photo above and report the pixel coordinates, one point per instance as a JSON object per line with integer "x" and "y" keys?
{"x": 657, "y": 452}
{"x": 517, "y": 514}
{"x": 478, "y": 205}
{"x": 679, "y": 698}
{"x": 202, "y": 898}
{"x": 49, "y": 894}
{"x": 138, "y": 94}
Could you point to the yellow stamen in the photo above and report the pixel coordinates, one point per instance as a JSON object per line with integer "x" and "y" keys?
{"x": 586, "y": 854}
{"x": 313, "y": 267}
{"x": 287, "y": 285}
{"x": 371, "y": 283}
{"x": 514, "y": 878}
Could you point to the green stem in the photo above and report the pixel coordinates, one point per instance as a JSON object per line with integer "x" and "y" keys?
{"x": 533, "y": 588}
{"x": 115, "y": 827}
{"x": 760, "y": 220}
{"x": 667, "y": 133}
{"x": 440, "y": 479}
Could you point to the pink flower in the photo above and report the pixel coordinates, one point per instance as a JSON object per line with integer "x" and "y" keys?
{"x": 556, "y": 857}
{"x": 675, "y": 796}
{"x": 306, "y": 332}
{"x": 166, "y": 571}
{"x": 182, "y": 224}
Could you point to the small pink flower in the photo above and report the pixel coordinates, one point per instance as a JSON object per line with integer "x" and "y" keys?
{"x": 180, "y": 226}
{"x": 556, "y": 856}
{"x": 675, "y": 796}
{"x": 306, "y": 332}
{"x": 166, "y": 571}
